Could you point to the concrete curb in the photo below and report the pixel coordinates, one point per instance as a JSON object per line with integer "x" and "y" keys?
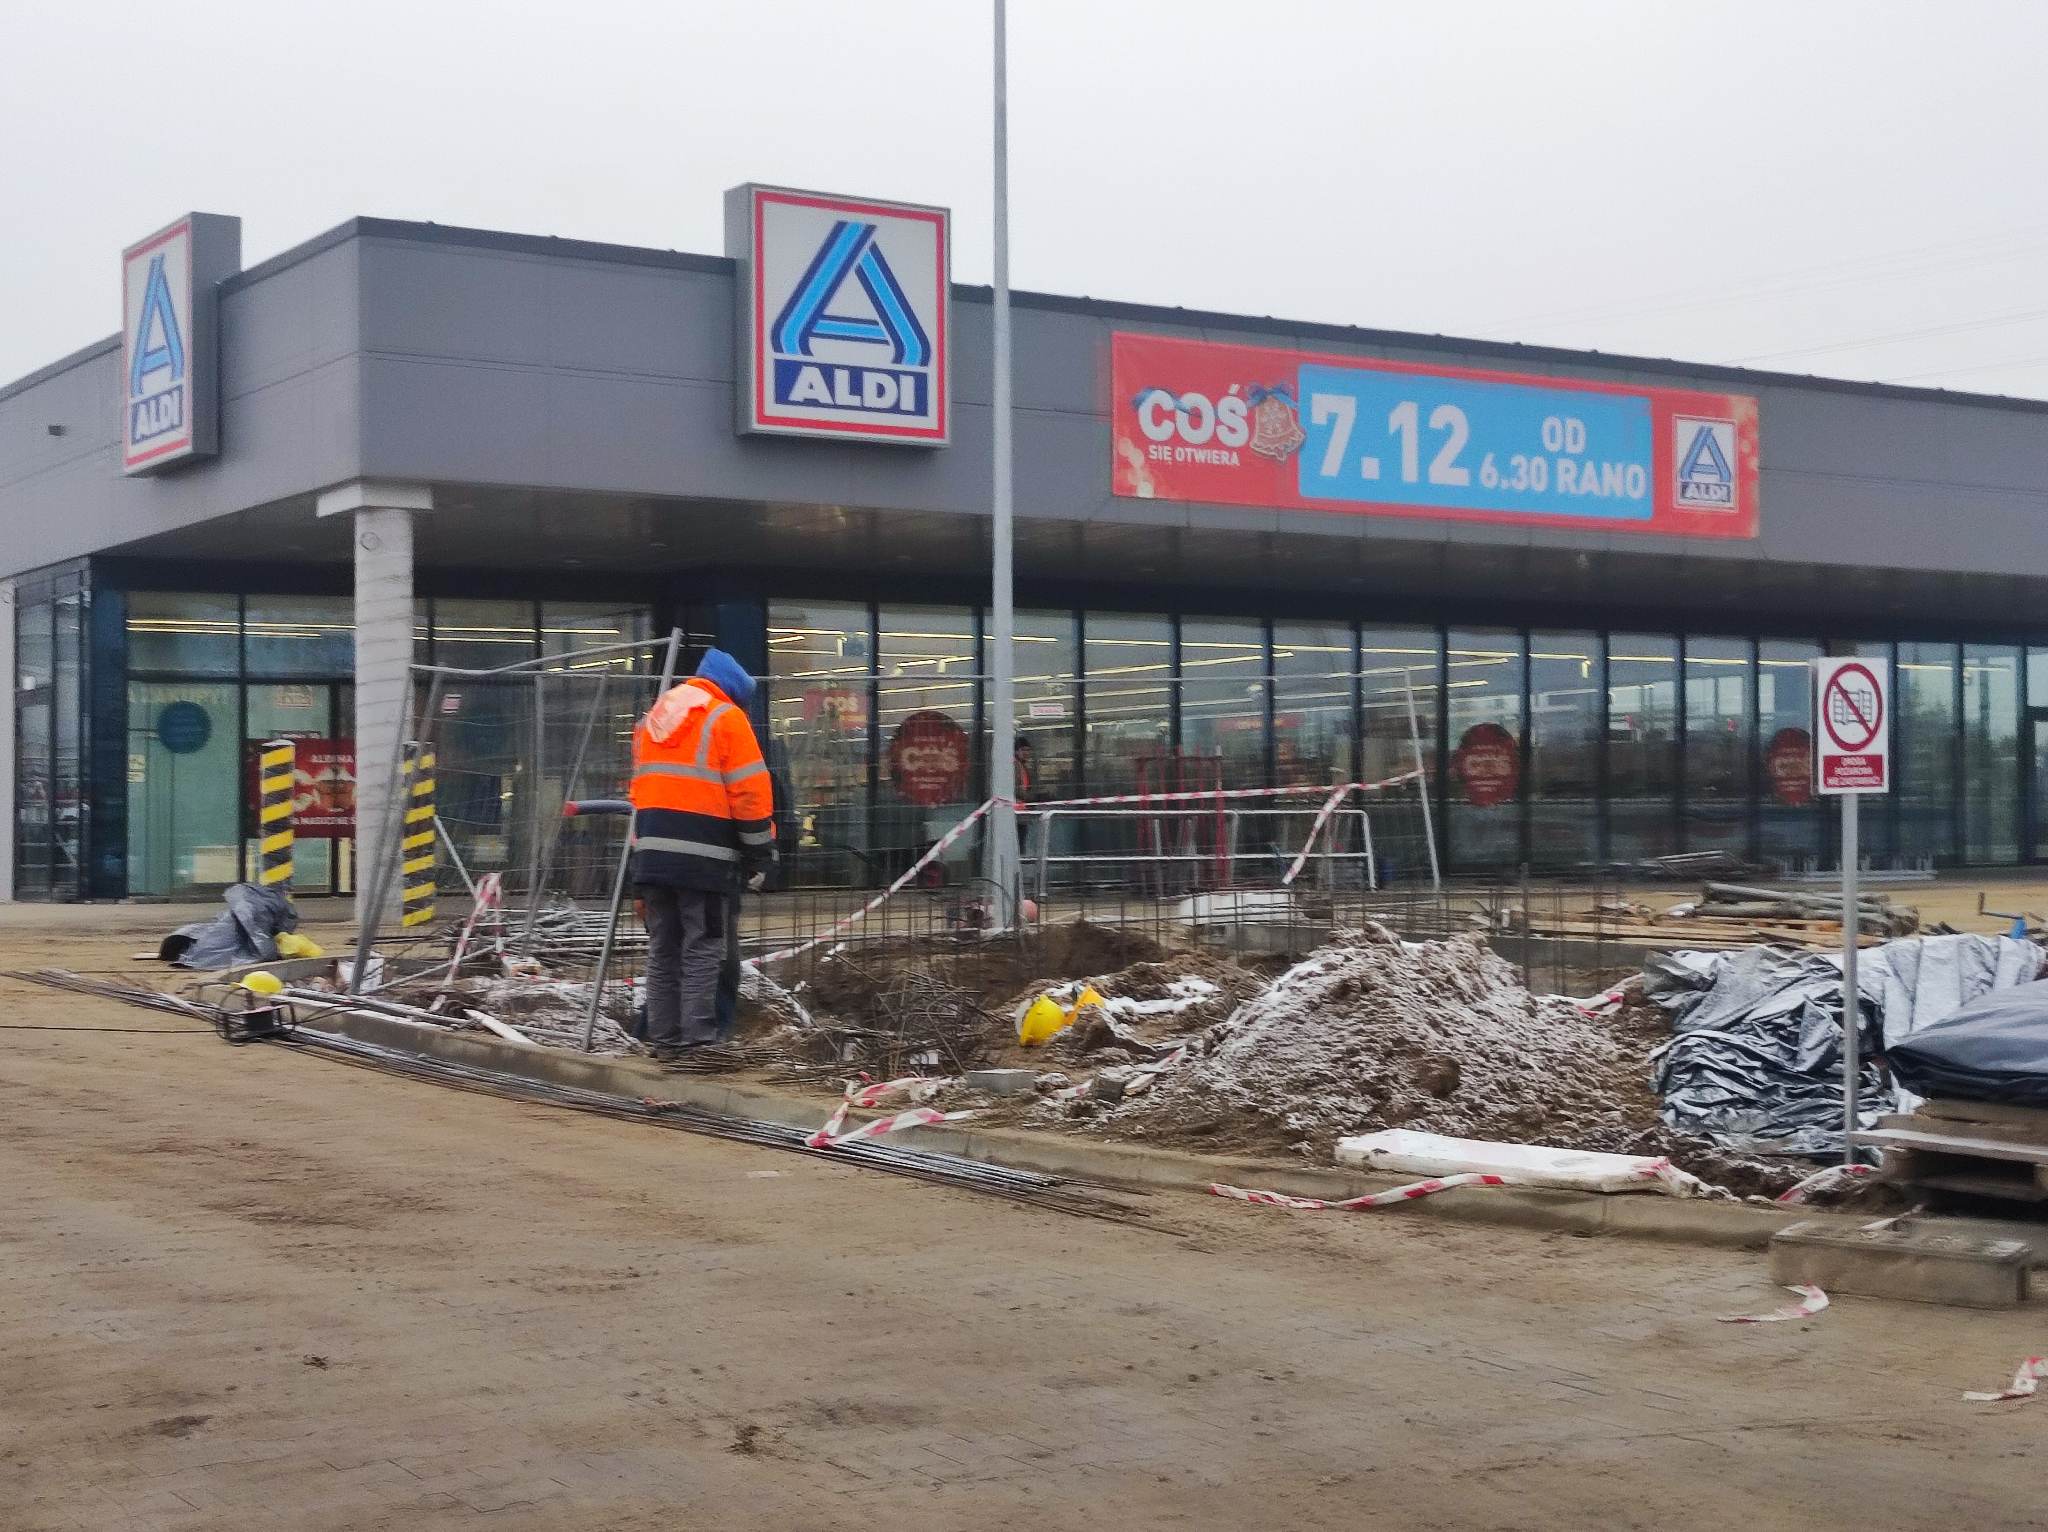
{"x": 1644, "y": 1215}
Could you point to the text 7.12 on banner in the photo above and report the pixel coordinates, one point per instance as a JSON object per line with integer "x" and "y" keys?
{"x": 1256, "y": 426}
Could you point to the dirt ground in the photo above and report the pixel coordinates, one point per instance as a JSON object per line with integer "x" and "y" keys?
{"x": 250, "y": 1288}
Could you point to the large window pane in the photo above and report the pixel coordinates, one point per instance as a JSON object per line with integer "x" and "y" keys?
{"x": 820, "y": 654}
{"x": 186, "y": 635}
{"x": 1564, "y": 748}
{"x": 184, "y": 786}
{"x": 1312, "y": 669}
{"x": 1484, "y": 699}
{"x": 482, "y": 635}
{"x": 273, "y": 710}
{"x": 570, "y": 627}
{"x": 1789, "y": 818}
{"x": 1223, "y": 696}
{"x": 1047, "y": 660}
{"x": 1398, "y": 666}
{"x": 299, "y": 636}
{"x": 1642, "y": 746}
{"x": 1991, "y": 726}
{"x": 67, "y": 739}
{"x": 35, "y": 817}
{"x": 1129, "y": 668}
{"x": 927, "y": 772}
{"x": 1717, "y": 745}
{"x": 1926, "y": 741}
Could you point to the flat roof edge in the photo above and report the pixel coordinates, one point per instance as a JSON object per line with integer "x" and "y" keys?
{"x": 63, "y": 364}
{"x": 1253, "y": 327}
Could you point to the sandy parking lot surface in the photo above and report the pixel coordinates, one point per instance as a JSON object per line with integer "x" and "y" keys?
{"x": 248, "y": 1288}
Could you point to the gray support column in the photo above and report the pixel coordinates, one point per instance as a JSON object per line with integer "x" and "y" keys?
{"x": 383, "y": 517}
{"x": 7, "y": 669}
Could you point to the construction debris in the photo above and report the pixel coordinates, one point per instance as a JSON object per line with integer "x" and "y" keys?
{"x": 1373, "y": 1032}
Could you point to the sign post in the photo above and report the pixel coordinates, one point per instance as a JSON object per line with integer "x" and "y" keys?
{"x": 1852, "y": 715}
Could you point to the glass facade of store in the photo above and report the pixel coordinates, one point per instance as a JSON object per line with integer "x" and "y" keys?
{"x": 1562, "y": 749}
{"x": 1559, "y": 748}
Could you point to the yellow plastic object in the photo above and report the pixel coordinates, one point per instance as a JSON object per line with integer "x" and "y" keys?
{"x": 262, "y": 982}
{"x": 1041, "y": 1022}
{"x": 292, "y": 945}
{"x": 1045, "y": 1018}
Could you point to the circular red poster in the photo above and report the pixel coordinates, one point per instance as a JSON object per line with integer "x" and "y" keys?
{"x": 1489, "y": 763}
{"x": 1788, "y": 762}
{"x": 929, "y": 759}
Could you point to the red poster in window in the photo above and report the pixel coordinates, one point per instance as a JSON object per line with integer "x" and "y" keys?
{"x": 324, "y": 802}
{"x": 1489, "y": 763}
{"x": 929, "y": 759}
{"x": 1788, "y": 763}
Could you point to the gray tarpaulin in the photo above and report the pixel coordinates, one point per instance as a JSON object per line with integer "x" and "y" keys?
{"x": 244, "y": 932}
{"x": 1757, "y": 1060}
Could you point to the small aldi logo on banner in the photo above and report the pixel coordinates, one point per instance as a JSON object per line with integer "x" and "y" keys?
{"x": 1852, "y": 705}
{"x": 843, "y": 318}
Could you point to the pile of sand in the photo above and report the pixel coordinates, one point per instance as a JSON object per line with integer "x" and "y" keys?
{"x": 1372, "y": 1032}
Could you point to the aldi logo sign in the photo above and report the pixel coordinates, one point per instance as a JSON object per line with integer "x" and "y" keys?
{"x": 170, "y": 340}
{"x": 843, "y": 316}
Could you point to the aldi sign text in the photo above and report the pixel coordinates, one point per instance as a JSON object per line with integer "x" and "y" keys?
{"x": 1241, "y": 425}
{"x": 843, "y": 315}
{"x": 170, "y": 340}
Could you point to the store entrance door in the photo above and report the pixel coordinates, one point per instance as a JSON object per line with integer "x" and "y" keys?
{"x": 320, "y": 714}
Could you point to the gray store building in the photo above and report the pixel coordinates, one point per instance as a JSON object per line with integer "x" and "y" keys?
{"x": 402, "y": 439}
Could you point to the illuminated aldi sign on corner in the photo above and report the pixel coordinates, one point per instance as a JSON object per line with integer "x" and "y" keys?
{"x": 1243, "y": 425}
{"x": 843, "y": 315}
{"x": 170, "y": 340}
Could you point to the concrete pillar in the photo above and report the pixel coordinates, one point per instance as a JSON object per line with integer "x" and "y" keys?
{"x": 383, "y": 516}
{"x": 7, "y": 669}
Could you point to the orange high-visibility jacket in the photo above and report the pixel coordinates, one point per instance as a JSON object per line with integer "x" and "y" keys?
{"x": 702, "y": 804}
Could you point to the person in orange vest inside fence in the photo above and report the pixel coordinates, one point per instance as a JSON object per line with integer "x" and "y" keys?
{"x": 703, "y": 828}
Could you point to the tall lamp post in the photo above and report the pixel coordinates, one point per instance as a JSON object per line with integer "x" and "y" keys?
{"x": 1004, "y": 869}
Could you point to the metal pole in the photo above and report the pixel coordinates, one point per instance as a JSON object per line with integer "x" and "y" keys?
{"x": 1436, "y": 877}
{"x": 384, "y": 865}
{"x": 1852, "y": 1002}
{"x": 611, "y": 925}
{"x": 1004, "y": 871}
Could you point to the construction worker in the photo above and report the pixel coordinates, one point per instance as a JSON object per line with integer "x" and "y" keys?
{"x": 703, "y": 827}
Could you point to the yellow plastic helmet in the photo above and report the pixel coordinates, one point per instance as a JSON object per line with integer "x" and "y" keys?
{"x": 262, "y": 982}
{"x": 1041, "y": 1021}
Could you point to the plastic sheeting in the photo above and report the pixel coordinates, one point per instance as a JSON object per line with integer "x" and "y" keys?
{"x": 1757, "y": 1060}
{"x": 245, "y": 932}
{"x": 1994, "y": 1049}
{"x": 1405, "y": 1151}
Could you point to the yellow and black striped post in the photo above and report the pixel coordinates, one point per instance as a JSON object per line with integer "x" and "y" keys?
{"x": 416, "y": 840}
{"x": 276, "y": 787}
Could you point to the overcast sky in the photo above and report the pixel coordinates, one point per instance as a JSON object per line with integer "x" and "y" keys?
{"x": 1811, "y": 185}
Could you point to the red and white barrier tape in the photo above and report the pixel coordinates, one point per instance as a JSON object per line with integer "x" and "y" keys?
{"x": 1823, "y": 1180}
{"x": 1211, "y": 795}
{"x": 871, "y": 1092}
{"x": 830, "y": 1136}
{"x": 1392, "y": 1198}
{"x": 1811, "y": 1301}
{"x": 2024, "y": 1383}
{"x": 861, "y": 914}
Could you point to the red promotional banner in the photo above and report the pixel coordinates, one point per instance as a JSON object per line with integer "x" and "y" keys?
{"x": 929, "y": 759}
{"x": 324, "y": 800}
{"x": 1290, "y": 430}
{"x": 1489, "y": 764}
{"x": 1788, "y": 764}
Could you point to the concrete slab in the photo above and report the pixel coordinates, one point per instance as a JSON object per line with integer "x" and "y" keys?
{"x": 1917, "y": 1263}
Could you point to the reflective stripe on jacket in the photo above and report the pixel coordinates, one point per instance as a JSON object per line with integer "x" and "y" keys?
{"x": 702, "y": 804}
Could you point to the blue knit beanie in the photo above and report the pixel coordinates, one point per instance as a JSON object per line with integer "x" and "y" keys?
{"x": 727, "y": 674}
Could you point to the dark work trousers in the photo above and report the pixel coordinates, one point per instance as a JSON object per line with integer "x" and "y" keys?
{"x": 729, "y": 972}
{"x": 686, "y": 947}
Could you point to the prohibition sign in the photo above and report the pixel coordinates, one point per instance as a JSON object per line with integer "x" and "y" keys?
{"x": 1852, "y": 702}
